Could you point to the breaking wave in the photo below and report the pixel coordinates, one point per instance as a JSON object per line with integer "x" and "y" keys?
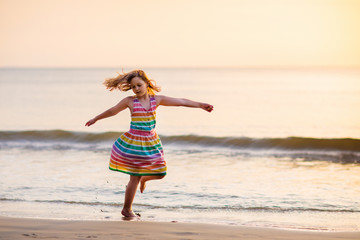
{"x": 289, "y": 143}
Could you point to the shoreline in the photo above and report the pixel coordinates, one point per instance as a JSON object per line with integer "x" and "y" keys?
{"x": 25, "y": 228}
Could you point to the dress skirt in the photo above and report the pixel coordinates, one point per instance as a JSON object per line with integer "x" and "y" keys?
{"x": 138, "y": 153}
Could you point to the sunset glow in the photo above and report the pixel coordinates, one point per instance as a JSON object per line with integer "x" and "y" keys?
{"x": 201, "y": 33}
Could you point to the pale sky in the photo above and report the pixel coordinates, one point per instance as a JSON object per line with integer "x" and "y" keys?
{"x": 179, "y": 33}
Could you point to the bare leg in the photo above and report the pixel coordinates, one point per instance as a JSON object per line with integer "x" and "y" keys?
{"x": 144, "y": 179}
{"x": 130, "y": 195}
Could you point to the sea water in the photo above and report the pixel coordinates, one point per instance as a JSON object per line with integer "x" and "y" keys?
{"x": 281, "y": 148}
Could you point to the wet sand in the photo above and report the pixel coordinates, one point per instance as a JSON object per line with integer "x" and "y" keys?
{"x": 26, "y": 228}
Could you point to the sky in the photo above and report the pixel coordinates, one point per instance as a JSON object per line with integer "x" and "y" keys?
{"x": 179, "y": 33}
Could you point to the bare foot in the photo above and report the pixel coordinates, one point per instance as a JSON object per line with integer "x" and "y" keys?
{"x": 142, "y": 186}
{"x": 128, "y": 213}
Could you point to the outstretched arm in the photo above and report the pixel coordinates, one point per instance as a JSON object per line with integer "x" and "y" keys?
{"x": 169, "y": 101}
{"x": 123, "y": 104}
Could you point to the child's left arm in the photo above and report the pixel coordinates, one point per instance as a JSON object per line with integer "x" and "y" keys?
{"x": 169, "y": 101}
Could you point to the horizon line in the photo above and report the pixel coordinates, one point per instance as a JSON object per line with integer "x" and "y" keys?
{"x": 186, "y": 67}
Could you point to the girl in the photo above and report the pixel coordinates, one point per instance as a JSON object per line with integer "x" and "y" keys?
{"x": 139, "y": 152}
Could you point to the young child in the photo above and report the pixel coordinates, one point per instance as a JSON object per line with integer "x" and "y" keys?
{"x": 139, "y": 152}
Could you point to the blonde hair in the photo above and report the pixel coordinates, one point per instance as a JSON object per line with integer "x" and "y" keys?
{"x": 122, "y": 82}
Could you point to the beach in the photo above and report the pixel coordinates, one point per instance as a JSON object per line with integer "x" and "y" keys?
{"x": 276, "y": 158}
{"x": 24, "y": 228}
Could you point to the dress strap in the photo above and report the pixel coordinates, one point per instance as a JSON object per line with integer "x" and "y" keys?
{"x": 153, "y": 102}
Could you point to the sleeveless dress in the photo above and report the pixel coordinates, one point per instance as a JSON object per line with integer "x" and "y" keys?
{"x": 139, "y": 151}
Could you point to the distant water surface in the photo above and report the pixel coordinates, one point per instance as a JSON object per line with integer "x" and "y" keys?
{"x": 248, "y": 102}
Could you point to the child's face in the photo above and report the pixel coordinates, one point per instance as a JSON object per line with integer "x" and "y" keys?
{"x": 138, "y": 86}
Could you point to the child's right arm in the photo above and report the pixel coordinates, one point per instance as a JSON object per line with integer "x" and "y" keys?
{"x": 122, "y": 105}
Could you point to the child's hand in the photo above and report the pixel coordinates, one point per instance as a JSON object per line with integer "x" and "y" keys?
{"x": 207, "y": 107}
{"x": 90, "y": 122}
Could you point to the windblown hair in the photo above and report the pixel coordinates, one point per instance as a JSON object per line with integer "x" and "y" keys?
{"x": 122, "y": 82}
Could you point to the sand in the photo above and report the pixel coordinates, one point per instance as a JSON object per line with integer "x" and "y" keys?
{"x": 25, "y": 228}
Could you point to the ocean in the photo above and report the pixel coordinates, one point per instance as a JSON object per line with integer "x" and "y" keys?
{"x": 281, "y": 148}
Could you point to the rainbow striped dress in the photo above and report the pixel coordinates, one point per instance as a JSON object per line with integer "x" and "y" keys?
{"x": 139, "y": 151}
